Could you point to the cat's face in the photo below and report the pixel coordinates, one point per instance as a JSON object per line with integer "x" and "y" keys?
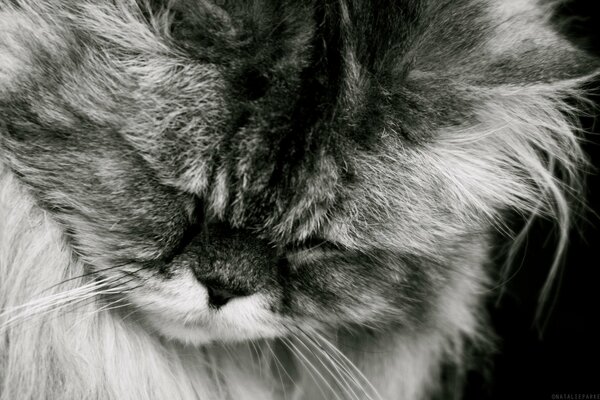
{"x": 240, "y": 169}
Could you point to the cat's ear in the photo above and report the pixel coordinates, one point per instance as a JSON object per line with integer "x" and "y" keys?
{"x": 507, "y": 43}
{"x": 415, "y": 68}
{"x": 526, "y": 49}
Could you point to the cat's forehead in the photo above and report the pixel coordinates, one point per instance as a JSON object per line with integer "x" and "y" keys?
{"x": 282, "y": 187}
{"x": 273, "y": 140}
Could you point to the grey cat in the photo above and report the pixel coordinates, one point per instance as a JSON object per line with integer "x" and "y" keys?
{"x": 269, "y": 199}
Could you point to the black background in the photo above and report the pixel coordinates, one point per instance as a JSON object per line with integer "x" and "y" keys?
{"x": 563, "y": 358}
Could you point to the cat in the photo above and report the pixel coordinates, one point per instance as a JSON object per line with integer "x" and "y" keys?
{"x": 271, "y": 199}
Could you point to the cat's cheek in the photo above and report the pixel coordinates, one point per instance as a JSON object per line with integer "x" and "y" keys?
{"x": 178, "y": 309}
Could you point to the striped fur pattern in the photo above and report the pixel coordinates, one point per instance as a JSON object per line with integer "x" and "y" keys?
{"x": 340, "y": 169}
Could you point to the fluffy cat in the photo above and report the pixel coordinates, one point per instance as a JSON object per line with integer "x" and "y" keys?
{"x": 270, "y": 199}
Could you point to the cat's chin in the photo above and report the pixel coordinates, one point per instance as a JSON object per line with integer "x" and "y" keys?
{"x": 241, "y": 319}
{"x": 198, "y": 336}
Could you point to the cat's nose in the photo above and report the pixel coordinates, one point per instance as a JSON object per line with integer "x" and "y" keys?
{"x": 218, "y": 297}
{"x": 229, "y": 262}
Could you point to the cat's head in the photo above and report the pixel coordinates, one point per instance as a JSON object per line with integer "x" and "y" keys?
{"x": 242, "y": 169}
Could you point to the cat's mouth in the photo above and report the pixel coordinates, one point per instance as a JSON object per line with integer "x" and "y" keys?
{"x": 182, "y": 309}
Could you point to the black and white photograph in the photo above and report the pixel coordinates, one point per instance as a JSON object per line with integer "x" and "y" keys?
{"x": 299, "y": 199}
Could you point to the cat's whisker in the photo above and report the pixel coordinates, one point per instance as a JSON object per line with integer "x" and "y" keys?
{"x": 67, "y": 293}
{"x": 343, "y": 364}
{"x": 309, "y": 367}
{"x": 55, "y": 305}
{"x": 63, "y": 300}
{"x": 318, "y": 370}
{"x": 346, "y": 385}
{"x": 279, "y": 366}
{"x": 108, "y": 307}
{"x": 345, "y": 360}
{"x": 94, "y": 273}
{"x": 254, "y": 351}
{"x": 54, "y": 300}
